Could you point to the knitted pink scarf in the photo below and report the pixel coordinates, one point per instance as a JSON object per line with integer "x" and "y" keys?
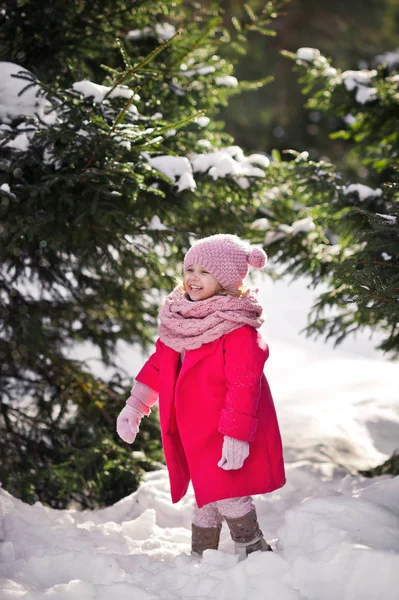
{"x": 187, "y": 325}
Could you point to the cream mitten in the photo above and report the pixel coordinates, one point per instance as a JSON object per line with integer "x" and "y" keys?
{"x": 234, "y": 453}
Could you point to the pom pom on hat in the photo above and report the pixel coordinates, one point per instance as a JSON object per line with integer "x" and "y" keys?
{"x": 226, "y": 257}
{"x": 257, "y": 257}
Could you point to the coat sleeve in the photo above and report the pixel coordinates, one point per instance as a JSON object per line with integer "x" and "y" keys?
{"x": 149, "y": 374}
{"x": 245, "y": 355}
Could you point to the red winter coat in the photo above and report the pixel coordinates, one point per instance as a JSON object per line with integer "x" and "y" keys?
{"x": 219, "y": 390}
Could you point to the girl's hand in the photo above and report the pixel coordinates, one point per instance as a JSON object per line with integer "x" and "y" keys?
{"x": 234, "y": 453}
{"x": 127, "y": 423}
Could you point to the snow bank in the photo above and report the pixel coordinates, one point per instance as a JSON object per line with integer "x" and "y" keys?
{"x": 335, "y": 535}
{"x": 343, "y": 543}
{"x": 341, "y": 547}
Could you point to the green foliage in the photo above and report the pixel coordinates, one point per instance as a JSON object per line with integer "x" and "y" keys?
{"x": 72, "y": 39}
{"x": 81, "y": 258}
{"x": 275, "y": 116}
{"x": 353, "y": 245}
{"x": 389, "y": 467}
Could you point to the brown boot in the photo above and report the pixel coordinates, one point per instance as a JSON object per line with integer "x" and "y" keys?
{"x": 246, "y": 534}
{"x": 204, "y": 538}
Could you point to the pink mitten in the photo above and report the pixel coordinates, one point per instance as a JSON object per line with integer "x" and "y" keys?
{"x": 234, "y": 453}
{"x": 137, "y": 405}
{"x": 127, "y": 423}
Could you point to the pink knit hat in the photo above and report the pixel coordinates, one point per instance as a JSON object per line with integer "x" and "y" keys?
{"x": 226, "y": 257}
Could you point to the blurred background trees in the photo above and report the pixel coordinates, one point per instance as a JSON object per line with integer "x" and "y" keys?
{"x": 351, "y": 34}
{"x": 102, "y": 187}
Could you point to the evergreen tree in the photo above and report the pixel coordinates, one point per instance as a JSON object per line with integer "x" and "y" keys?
{"x": 349, "y": 238}
{"x": 101, "y": 188}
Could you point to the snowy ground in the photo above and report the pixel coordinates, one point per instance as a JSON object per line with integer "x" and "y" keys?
{"x": 336, "y": 533}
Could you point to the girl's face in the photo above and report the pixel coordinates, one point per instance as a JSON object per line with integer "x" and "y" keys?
{"x": 199, "y": 283}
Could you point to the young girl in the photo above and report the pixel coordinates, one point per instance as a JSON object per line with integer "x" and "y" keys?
{"x": 218, "y": 422}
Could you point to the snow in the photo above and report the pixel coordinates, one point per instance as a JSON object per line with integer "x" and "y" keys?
{"x": 21, "y": 140}
{"x": 98, "y": 92}
{"x": 200, "y": 71}
{"x": 227, "y": 81}
{"x": 242, "y": 182}
{"x": 391, "y": 59}
{"x": 261, "y": 224}
{"x": 202, "y": 121}
{"x": 204, "y": 144}
{"x": 360, "y": 81}
{"x": 329, "y": 72}
{"x": 137, "y": 34}
{"x": 156, "y": 224}
{"x": 228, "y": 162}
{"x": 330, "y": 539}
{"x": 335, "y": 533}
{"x": 313, "y": 55}
{"x": 390, "y": 218}
{"x": 177, "y": 168}
{"x": 163, "y": 31}
{"x": 274, "y": 236}
{"x": 305, "y": 225}
{"x": 13, "y": 103}
{"x": 349, "y": 119}
{"x": 307, "y": 54}
{"x": 363, "y": 191}
{"x": 21, "y": 97}
{"x": 327, "y": 252}
{"x": 365, "y": 94}
{"x": 259, "y": 159}
{"x": 353, "y": 79}
{"x": 138, "y": 548}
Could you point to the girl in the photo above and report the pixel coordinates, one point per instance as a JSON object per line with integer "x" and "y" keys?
{"x": 218, "y": 422}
